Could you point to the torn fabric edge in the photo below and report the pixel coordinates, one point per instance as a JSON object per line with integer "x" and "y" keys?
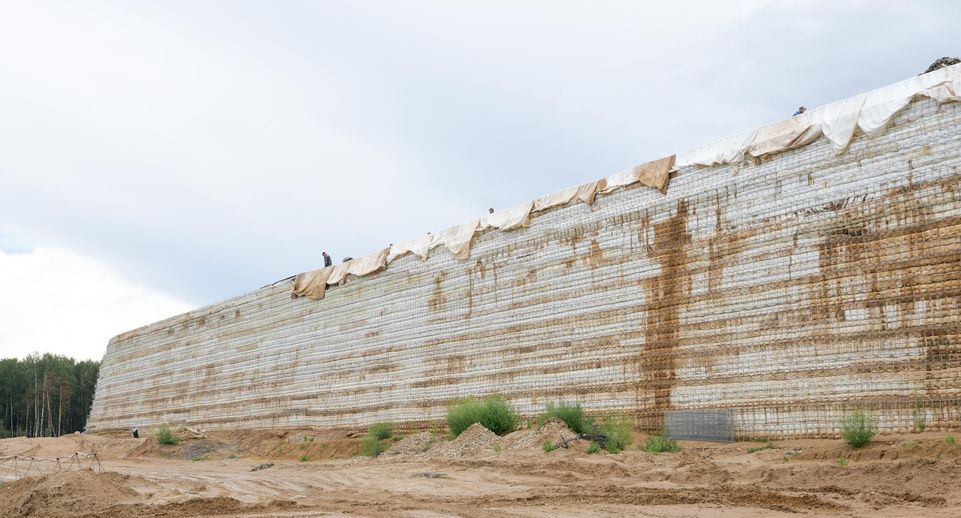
{"x": 418, "y": 247}
{"x": 312, "y": 285}
{"x": 457, "y": 239}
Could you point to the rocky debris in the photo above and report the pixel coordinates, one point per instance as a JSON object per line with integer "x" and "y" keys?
{"x": 553, "y": 430}
{"x": 199, "y": 449}
{"x": 941, "y": 63}
{"x": 474, "y": 440}
{"x": 412, "y": 445}
{"x": 262, "y": 466}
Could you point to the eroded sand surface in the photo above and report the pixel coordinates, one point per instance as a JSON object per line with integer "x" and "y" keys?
{"x": 911, "y": 475}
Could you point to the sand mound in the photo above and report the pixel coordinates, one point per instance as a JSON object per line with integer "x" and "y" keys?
{"x": 474, "y": 440}
{"x": 412, "y": 445}
{"x": 553, "y": 430}
{"x": 73, "y": 493}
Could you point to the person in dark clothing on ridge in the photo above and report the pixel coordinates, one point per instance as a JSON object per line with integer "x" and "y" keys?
{"x": 327, "y": 260}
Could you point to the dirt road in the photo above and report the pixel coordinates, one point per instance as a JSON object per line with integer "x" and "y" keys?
{"x": 912, "y": 475}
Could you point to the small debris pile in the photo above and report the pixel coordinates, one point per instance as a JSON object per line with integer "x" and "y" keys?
{"x": 412, "y": 445}
{"x": 472, "y": 441}
{"x": 553, "y": 430}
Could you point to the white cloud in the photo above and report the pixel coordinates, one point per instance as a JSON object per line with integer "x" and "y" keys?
{"x": 57, "y": 301}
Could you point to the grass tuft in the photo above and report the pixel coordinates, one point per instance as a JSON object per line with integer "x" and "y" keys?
{"x": 858, "y": 428}
{"x": 593, "y": 447}
{"x": 199, "y": 458}
{"x": 304, "y": 458}
{"x": 494, "y": 413}
{"x": 949, "y": 439}
{"x": 909, "y": 445}
{"x": 842, "y": 462}
{"x": 371, "y": 446}
{"x": 571, "y": 413}
{"x": 618, "y": 431}
{"x": 548, "y": 446}
{"x": 165, "y": 436}
{"x": 660, "y": 443}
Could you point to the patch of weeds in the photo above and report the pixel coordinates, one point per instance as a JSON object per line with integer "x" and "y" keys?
{"x": 233, "y": 456}
{"x": 303, "y": 446}
{"x": 842, "y": 462}
{"x": 767, "y": 446}
{"x": 497, "y": 447}
{"x": 857, "y": 428}
{"x": 660, "y": 443}
{"x": 308, "y": 438}
{"x": 381, "y": 430}
{"x": 494, "y": 413}
{"x": 917, "y": 412}
{"x": 593, "y": 448}
{"x": 618, "y": 431}
{"x": 304, "y": 458}
{"x": 165, "y": 436}
{"x": 199, "y": 458}
{"x": 548, "y": 446}
{"x": 371, "y": 446}
{"x": 909, "y": 445}
{"x": 571, "y": 413}
{"x": 949, "y": 440}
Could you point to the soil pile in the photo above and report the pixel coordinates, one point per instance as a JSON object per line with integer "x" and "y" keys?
{"x": 75, "y": 493}
{"x": 553, "y": 430}
{"x": 473, "y": 441}
{"x": 412, "y": 445}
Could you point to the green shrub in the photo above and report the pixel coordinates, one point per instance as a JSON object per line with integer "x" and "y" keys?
{"x": 494, "y": 413}
{"x": 304, "y": 458}
{"x": 593, "y": 447}
{"x": 767, "y": 446}
{"x": 571, "y": 413}
{"x": 548, "y": 446}
{"x": 857, "y": 428}
{"x": 381, "y": 430}
{"x": 949, "y": 439}
{"x": 660, "y": 443}
{"x": 165, "y": 436}
{"x": 371, "y": 446}
{"x": 618, "y": 431}
{"x": 842, "y": 461}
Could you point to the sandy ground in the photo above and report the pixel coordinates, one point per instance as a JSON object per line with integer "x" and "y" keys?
{"x": 912, "y": 475}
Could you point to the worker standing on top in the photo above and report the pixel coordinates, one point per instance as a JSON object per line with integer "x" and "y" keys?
{"x": 327, "y": 260}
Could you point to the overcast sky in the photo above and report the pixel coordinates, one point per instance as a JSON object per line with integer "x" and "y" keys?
{"x": 159, "y": 156}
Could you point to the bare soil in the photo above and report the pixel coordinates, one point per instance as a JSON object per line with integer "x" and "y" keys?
{"x": 479, "y": 474}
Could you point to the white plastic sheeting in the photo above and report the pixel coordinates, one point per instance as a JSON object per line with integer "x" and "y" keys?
{"x": 870, "y": 112}
{"x": 584, "y": 193}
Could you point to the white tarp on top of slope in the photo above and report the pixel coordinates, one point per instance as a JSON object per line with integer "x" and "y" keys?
{"x": 871, "y": 112}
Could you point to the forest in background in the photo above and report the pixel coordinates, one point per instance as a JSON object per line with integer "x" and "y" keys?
{"x": 44, "y": 396}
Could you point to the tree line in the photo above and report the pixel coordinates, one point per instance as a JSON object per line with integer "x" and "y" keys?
{"x": 45, "y": 396}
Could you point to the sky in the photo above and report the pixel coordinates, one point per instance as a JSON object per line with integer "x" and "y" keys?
{"x": 160, "y": 156}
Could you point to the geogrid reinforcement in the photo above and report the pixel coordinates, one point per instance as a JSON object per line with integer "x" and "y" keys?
{"x": 784, "y": 292}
